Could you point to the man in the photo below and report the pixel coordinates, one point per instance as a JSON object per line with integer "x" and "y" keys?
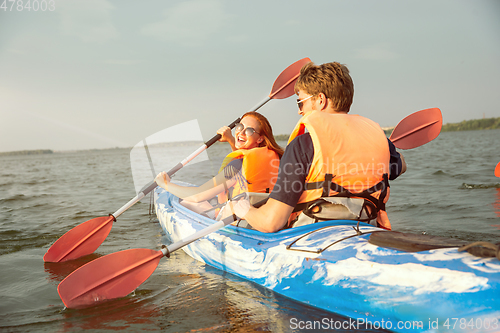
{"x": 345, "y": 157}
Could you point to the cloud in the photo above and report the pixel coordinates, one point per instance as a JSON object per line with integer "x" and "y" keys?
{"x": 376, "y": 52}
{"x": 189, "y": 23}
{"x": 89, "y": 20}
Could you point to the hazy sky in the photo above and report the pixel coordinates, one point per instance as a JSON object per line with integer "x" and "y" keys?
{"x": 102, "y": 73}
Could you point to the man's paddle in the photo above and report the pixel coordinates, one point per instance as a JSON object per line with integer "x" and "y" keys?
{"x": 417, "y": 129}
{"x": 118, "y": 274}
{"x": 85, "y": 238}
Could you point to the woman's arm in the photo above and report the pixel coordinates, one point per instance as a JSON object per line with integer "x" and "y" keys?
{"x": 210, "y": 189}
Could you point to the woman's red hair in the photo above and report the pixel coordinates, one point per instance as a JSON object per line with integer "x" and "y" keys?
{"x": 266, "y": 132}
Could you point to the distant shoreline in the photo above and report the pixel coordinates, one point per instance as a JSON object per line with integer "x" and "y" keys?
{"x": 50, "y": 151}
{"x": 473, "y": 125}
{"x": 27, "y": 152}
{"x": 466, "y": 125}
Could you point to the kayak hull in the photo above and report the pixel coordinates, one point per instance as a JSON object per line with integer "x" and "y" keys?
{"x": 329, "y": 266}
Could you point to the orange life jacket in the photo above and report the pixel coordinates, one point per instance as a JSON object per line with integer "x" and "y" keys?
{"x": 259, "y": 170}
{"x": 351, "y": 159}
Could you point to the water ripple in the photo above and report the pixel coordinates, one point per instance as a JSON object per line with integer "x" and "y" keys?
{"x": 466, "y": 186}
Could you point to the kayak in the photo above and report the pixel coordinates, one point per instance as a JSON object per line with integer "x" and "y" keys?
{"x": 378, "y": 279}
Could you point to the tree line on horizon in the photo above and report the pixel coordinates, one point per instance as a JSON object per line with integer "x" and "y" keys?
{"x": 472, "y": 125}
{"x": 466, "y": 125}
{"x": 27, "y": 152}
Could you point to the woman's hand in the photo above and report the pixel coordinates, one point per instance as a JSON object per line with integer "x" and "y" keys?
{"x": 240, "y": 208}
{"x": 225, "y": 133}
{"x": 162, "y": 180}
{"x": 226, "y": 136}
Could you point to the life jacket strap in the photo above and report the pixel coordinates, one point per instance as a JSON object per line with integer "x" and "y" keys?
{"x": 327, "y": 185}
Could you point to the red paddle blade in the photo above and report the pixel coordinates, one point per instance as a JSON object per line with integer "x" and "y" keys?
{"x": 417, "y": 129}
{"x": 112, "y": 276}
{"x": 283, "y": 86}
{"x": 80, "y": 241}
{"x": 497, "y": 170}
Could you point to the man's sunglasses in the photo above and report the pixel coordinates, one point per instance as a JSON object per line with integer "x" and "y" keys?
{"x": 300, "y": 102}
{"x": 249, "y": 131}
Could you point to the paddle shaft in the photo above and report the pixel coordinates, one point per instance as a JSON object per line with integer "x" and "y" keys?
{"x": 151, "y": 186}
{"x": 197, "y": 235}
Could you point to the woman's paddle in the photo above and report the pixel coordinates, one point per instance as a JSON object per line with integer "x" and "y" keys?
{"x": 85, "y": 238}
{"x": 118, "y": 274}
{"x": 417, "y": 129}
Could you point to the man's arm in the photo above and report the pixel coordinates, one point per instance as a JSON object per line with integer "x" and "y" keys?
{"x": 271, "y": 217}
{"x": 294, "y": 167}
{"x": 397, "y": 162}
{"x": 403, "y": 168}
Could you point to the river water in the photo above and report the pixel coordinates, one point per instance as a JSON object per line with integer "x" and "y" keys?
{"x": 449, "y": 190}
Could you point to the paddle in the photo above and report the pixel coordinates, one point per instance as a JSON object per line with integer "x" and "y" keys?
{"x": 85, "y": 238}
{"x": 417, "y": 129}
{"x": 118, "y": 274}
{"x": 497, "y": 170}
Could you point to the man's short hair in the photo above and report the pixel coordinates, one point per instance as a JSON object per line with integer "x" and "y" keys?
{"x": 331, "y": 79}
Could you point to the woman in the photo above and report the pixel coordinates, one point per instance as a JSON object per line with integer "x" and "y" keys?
{"x": 251, "y": 167}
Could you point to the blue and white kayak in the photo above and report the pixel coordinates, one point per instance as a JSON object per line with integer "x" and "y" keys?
{"x": 329, "y": 265}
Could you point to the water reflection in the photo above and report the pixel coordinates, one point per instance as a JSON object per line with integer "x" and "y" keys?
{"x": 196, "y": 297}
{"x": 121, "y": 314}
{"x": 57, "y": 271}
{"x": 496, "y": 205}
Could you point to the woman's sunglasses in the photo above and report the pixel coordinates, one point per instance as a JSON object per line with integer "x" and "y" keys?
{"x": 249, "y": 131}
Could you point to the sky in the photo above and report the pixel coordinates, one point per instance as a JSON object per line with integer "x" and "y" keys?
{"x": 104, "y": 73}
